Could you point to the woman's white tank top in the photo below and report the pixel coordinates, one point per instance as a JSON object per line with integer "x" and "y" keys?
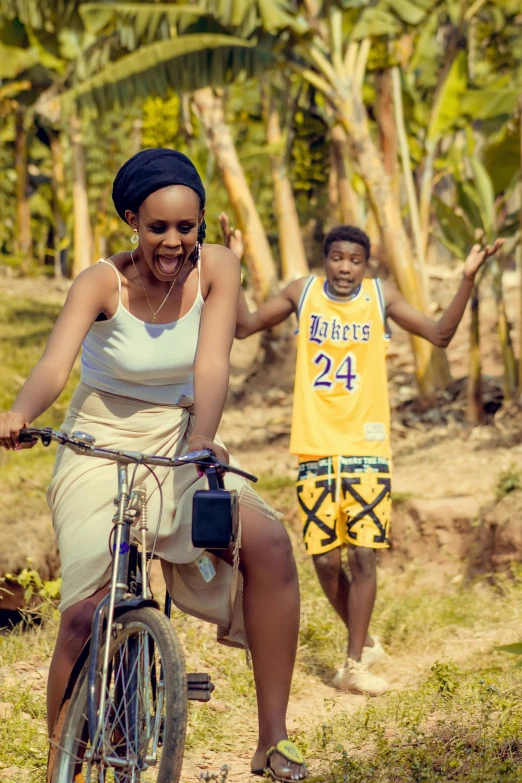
{"x": 151, "y": 362}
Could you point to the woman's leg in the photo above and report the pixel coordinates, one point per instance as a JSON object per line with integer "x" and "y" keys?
{"x": 75, "y": 628}
{"x": 271, "y": 608}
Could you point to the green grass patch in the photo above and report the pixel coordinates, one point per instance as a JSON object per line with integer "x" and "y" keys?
{"x": 27, "y": 323}
{"x": 469, "y": 734}
{"x": 508, "y": 481}
{"x": 267, "y": 482}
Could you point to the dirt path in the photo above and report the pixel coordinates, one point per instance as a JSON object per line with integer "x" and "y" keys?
{"x": 317, "y": 702}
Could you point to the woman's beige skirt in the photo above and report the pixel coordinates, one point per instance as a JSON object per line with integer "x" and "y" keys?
{"x": 81, "y": 499}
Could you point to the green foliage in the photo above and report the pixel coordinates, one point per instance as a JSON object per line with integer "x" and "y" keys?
{"x": 180, "y": 63}
{"x": 161, "y": 123}
{"x": 502, "y": 157}
{"x": 508, "y": 481}
{"x": 48, "y": 591}
{"x": 310, "y": 154}
{"x": 447, "y": 110}
{"x": 7, "y": 200}
{"x": 475, "y": 212}
{"x": 456, "y": 233}
{"x": 108, "y": 142}
{"x": 444, "y": 678}
{"x": 309, "y": 165}
{"x": 513, "y": 649}
{"x": 27, "y": 324}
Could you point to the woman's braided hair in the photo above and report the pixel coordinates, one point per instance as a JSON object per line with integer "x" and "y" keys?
{"x": 202, "y": 230}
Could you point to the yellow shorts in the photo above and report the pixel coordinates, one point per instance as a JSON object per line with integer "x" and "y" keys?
{"x": 344, "y": 500}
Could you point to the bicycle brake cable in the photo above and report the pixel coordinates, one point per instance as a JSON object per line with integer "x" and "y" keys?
{"x": 139, "y": 462}
{"x": 158, "y": 524}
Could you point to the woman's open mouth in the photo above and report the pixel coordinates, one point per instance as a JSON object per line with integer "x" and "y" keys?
{"x": 169, "y": 265}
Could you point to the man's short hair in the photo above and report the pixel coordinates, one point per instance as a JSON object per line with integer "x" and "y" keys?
{"x": 347, "y": 234}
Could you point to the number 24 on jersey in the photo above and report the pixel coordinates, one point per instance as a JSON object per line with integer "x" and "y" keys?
{"x": 328, "y": 377}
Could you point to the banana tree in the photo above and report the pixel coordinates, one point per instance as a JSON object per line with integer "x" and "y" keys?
{"x": 167, "y": 46}
{"x": 477, "y": 213}
{"x": 292, "y": 252}
{"x": 346, "y": 195}
{"x": 328, "y": 51}
{"x": 209, "y": 104}
{"x": 48, "y": 43}
{"x": 332, "y": 56}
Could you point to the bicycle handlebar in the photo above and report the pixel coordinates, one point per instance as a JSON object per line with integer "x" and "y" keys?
{"x": 83, "y": 443}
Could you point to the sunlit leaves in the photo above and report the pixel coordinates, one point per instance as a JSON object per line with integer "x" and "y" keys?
{"x": 447, "y": 110}
{"x": 130, "y": 70}
{"x": 455, "y": 233}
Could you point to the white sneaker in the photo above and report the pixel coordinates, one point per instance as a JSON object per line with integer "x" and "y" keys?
{"x": 355, "y": 678}
{"x": 371, "y": 655}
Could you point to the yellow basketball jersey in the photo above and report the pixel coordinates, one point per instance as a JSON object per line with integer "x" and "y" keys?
{"x": 341, "y": 403}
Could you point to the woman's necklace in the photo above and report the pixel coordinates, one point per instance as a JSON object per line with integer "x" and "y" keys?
{"x": 154, "y": 314}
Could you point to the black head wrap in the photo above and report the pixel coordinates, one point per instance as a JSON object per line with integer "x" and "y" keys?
{"x": 151, "y": 170}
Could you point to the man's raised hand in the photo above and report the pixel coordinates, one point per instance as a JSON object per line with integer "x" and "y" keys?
{"x": 233, "y": 237}
{"x": 478, "y": 256}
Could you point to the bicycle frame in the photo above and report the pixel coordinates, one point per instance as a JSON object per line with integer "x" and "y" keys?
{"x": 118, "y": 594}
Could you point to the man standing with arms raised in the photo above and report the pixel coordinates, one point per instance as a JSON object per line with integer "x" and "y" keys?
{"x": 341, "y": 420}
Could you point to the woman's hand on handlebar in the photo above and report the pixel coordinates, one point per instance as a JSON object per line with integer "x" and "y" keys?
{"x": 10, "y": 425}
{"x": 198, "y": 443}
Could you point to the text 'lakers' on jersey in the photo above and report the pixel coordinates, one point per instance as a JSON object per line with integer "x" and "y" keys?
{"x": 341, "y": 401}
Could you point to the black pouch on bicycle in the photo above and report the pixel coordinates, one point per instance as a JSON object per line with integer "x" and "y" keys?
{"x": 215, "y": 514}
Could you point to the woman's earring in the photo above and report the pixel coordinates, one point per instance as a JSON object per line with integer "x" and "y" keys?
{"x": 135, "y": 238}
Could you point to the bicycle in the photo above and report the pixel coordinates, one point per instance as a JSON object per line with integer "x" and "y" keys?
{"x": 123, "y": 715}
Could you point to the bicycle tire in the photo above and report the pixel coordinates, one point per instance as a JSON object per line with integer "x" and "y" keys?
{"x": 71, "y": 726}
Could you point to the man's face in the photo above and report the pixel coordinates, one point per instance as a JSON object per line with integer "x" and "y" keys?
{"x": 345, "y": 267}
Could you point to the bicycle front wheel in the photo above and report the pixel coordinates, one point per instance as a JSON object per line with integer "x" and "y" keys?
{"x": 145, "y": 714}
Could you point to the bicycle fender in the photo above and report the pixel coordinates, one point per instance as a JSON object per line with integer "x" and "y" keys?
{"x": 134, "y": 603}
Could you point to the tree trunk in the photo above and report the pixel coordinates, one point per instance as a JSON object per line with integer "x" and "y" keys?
{"x": 408, "y": 178}
{"x": 384, "y": 111}
{"x": 23, "y": 241}
{"x": 475, "y": 408}
{"x": 366, "y": 159}
{"x": 520, "y": 264}
{"x": 508, "y": 355}
{"x": 136, "y": 135}
{"x": 101, "y": 225}
{"x": 294, "y": 263}
{"x": 58, "y": 186}
{"x": 82, "y": 224}
{"x": 426, "y": 189}
{"x": 506, "y": 346}
{"x": 348, "y": 200}
{"x": 258, "y": 254}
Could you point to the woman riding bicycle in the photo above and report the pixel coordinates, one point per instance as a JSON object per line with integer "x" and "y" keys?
{"x": 156, "y": 325}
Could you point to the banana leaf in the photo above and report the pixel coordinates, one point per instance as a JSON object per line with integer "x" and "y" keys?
{"x": 454, "y": 231}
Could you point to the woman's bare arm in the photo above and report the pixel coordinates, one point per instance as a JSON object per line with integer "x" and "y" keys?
{"x": 212, "y": 367}
{"x": 86, "y": 299}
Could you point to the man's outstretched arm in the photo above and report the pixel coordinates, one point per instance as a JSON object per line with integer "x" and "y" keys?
{"x": 439, "y": 332}
{"x": 271, "y": 313}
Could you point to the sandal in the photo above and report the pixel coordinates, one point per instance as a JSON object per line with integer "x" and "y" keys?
{"x": 287, "y": 750}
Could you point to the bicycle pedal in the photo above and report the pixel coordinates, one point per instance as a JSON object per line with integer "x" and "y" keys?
{"x": 199, "y": 687}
